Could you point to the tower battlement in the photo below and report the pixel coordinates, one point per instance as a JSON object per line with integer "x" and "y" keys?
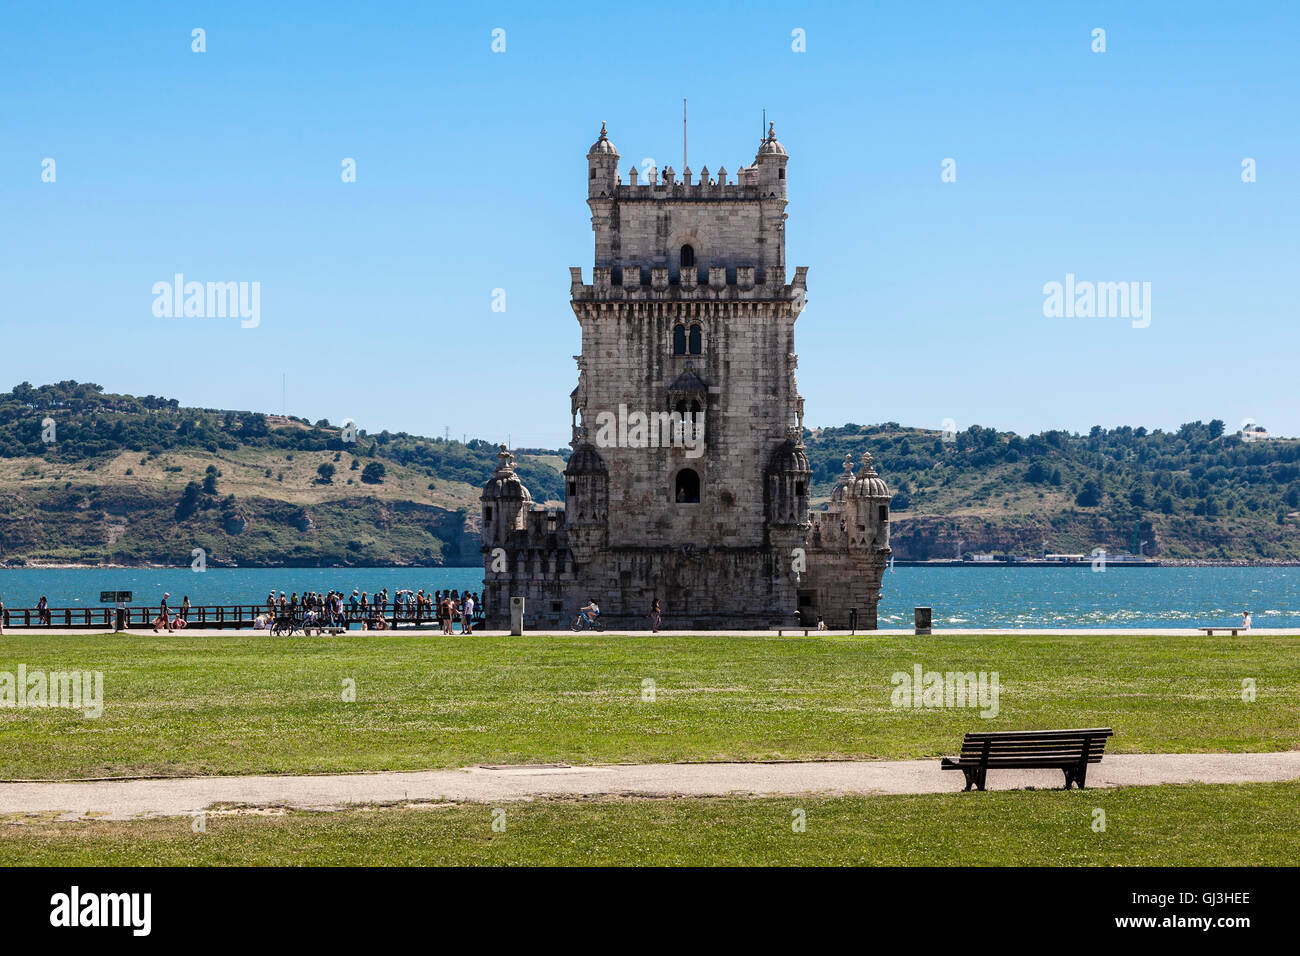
{"x": 690, "y": 224}
{"x": 713, "y": 283}
{"x": 707, "y": 187}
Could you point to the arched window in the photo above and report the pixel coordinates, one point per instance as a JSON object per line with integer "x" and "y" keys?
{"x": 679, "y": 340}
{"x": 687, "y": 491}
{"x": 697, "y": 336}
{"x": 688, "y": 257}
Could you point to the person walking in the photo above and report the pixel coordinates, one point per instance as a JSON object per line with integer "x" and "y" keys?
{"x": 467, "y": 615}
{"x": 1245, "y": 621}
{"x": 163, "y": 617}
{"x": 655, "y": 616}
{"x": 43, "y": 610}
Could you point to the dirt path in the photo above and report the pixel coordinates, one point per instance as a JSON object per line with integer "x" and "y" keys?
{"x": 121, "y": 800}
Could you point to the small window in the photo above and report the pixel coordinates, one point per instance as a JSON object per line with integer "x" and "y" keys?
{"x": 679, "y": 340}
{"x": 593, "y": 172}
{"x": 688, "y": 257}
{"x": 884, "y": 513}
{"x": 487, "y": 513}
{"x": 697, "y": 336}
{"x": 573, "y": 488}
{"x": 687, "y": 491}
{"x": 780, "y": 174}
{"x": 798, "y": 489}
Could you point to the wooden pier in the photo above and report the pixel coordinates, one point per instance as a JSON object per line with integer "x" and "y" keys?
{"x": 207, "y": 616}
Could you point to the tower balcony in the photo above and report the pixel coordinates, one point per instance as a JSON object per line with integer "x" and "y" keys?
{"x": 738, "y": 283}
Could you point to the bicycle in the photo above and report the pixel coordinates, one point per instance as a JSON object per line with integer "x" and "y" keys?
{"x": 582, "y": 623}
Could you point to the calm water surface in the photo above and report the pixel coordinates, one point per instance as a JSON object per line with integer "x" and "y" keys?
{"x": 960, "y": 597}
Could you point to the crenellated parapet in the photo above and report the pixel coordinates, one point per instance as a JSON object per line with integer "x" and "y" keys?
{"x": 739, "y": 283}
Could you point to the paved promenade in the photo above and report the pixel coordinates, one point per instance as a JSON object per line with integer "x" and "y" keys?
{"x": 127, "y": 799}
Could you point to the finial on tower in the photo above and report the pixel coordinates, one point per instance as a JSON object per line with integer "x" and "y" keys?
{"x": 506, "y": 461}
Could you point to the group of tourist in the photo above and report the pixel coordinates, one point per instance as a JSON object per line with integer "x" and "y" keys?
{"x": 376, "y": 612}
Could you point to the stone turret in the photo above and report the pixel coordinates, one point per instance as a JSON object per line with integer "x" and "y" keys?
{"x": 602, "y": 167}
{"x": 770, "y": 161}
{"x": 788, "y": 479}
{"x": 505, "y": 502}
{"x": 867, "y": 500}
{"x": 586, "y": 501}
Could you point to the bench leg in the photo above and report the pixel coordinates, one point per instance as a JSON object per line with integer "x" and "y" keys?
{"x": 1076, "y": 775}
{"x": 980, "y": 776}
{"x": 970, "y": 777}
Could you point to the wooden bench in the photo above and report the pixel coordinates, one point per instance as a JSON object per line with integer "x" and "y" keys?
{"x": 1209, "y": 631}
{"x": 1067, "y": 750}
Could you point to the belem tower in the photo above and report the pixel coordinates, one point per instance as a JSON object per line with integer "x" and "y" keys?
{"x": 688, "y": 481}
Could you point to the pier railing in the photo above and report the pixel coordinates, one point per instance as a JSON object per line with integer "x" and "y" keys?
{"x": 209, "y": 616}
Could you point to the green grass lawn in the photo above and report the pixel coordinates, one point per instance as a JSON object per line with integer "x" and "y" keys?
{"x": 1236, "y": 825}
{"x": 194, "y": 705}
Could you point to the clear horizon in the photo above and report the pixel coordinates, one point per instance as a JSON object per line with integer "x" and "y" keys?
{"x": 926, "y": 298}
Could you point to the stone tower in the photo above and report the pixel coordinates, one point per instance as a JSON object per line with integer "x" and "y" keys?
{"x": 688, "y": 480}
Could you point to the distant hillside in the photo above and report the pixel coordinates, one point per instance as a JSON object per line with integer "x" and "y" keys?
{"x": 129, "y": 480}
{"x": 1197, "y": 493}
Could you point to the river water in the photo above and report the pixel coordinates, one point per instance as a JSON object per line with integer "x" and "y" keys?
{"x": 960, "y": 596}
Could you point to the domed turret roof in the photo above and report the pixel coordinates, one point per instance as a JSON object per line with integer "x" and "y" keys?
{"x": 868, "y": 484}
{"x": 603, "y": 145}
{"x": 789, "y": 458}
{"x": 846, "y": 479}
{"x": 504, "y": 483}
{"x": 585, "y": 460}
{"x": 770, "y": 146}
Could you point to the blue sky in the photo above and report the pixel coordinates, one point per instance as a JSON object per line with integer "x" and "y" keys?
{"x": 925, "y": 298}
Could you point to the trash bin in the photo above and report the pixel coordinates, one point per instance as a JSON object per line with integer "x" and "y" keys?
{"x": 516, "y": 616}
{"x": 921, "y": 617}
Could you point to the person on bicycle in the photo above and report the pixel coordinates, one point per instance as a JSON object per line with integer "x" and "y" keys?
{"x": 591, "y": 611}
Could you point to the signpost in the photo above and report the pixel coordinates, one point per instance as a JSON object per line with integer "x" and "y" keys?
{"x": 120, "y": 598}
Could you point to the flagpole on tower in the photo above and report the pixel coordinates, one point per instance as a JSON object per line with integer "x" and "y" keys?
{"x": 684, "y": 167}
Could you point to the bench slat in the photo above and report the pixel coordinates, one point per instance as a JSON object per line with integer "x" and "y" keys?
{"x": 1032, "y": 749}
{"x": 1039, "y": 734}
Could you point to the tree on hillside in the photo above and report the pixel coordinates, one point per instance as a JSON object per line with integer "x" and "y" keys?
{"x": 1089, "y": 496}
{"x": 210, "y": 480}
{"x": 373, "y": 473}
{"x": 326, "y": 472}
{"x": 189, "y": 502}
